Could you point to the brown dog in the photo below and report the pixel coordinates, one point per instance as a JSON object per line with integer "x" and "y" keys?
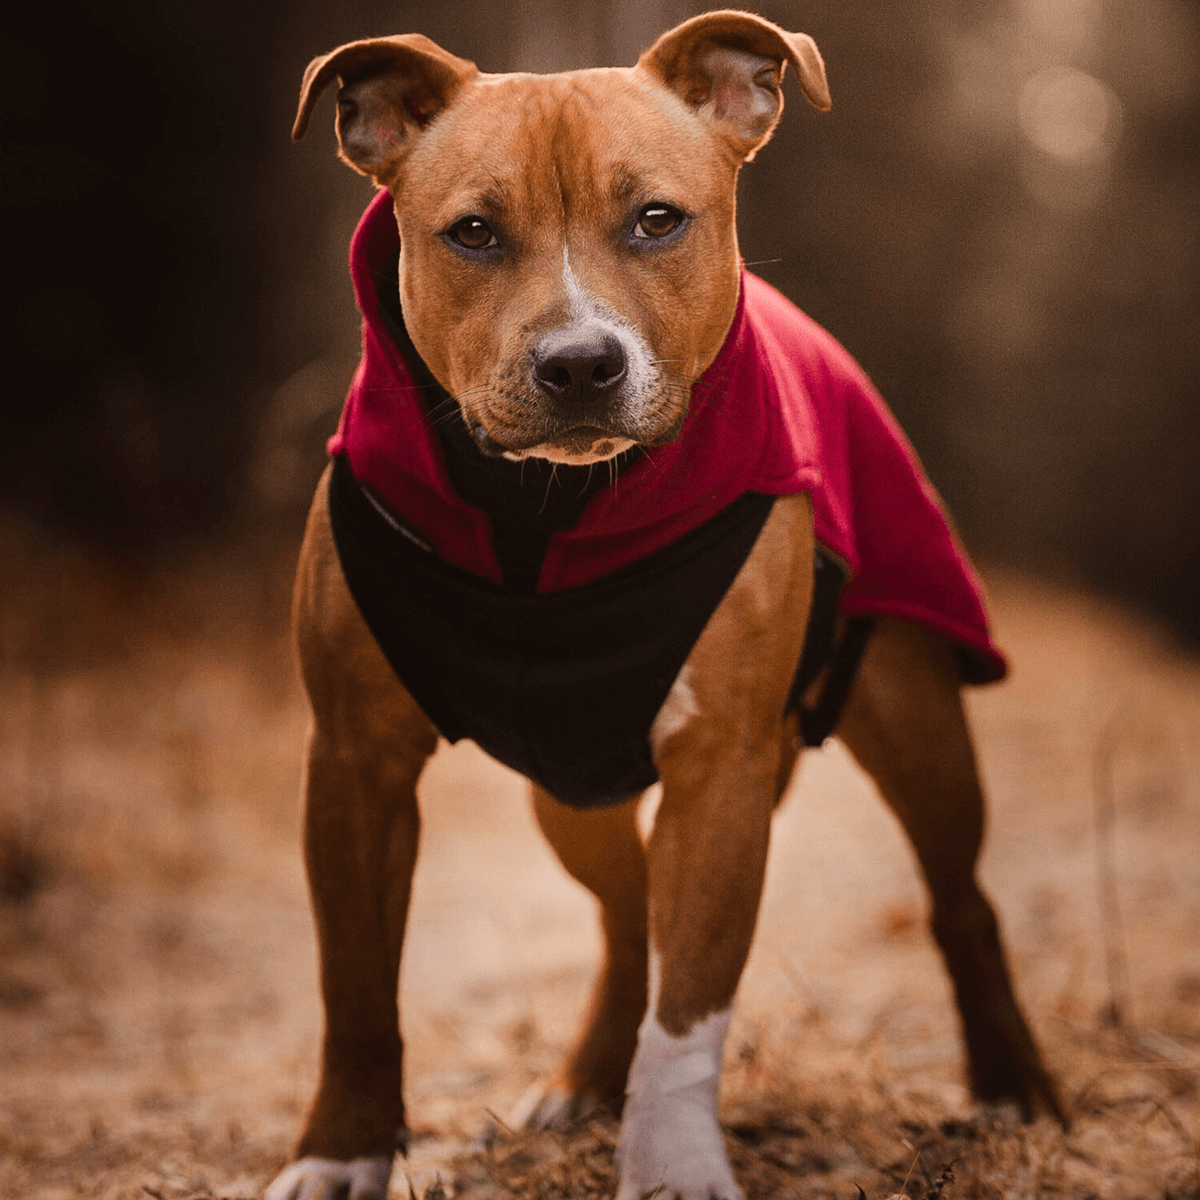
{"x": 568, "y": 269}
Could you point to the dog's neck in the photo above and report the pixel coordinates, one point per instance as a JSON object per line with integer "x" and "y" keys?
{"x": 527, "y": 501}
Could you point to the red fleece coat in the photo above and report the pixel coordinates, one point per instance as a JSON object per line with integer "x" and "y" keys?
{"x": 783, "y": 409}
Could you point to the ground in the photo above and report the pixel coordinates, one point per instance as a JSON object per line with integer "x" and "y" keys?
{"x": 158, "y": 1012}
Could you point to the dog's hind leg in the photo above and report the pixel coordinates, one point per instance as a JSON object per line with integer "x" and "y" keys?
{"x": 904, "y": 723}
{"x": 368, "y": 744}
{"x": 602, "y": 849}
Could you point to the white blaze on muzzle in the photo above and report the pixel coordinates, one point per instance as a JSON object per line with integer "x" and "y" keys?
{"x": 585, "y": 311}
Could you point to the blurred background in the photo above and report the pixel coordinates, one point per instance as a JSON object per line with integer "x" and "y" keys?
{"x": 1000, "y": 218}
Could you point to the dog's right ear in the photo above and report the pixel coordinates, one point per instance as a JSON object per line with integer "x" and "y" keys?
{"x": 390, "y": 89}
{"x": 727, "y": 66}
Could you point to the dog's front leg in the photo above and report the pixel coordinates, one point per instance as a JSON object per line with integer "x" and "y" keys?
{"x": 717, "y": 746}
{"x": 706, "y": 875}
{"x": 368, "y": 744}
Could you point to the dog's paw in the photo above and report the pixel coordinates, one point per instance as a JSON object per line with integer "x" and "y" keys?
{"x": 550, "y": 1106}
{"x": 1006, "y": 1113}
{"x": 331, "y": 1179}
{"x": 671, "y": 1143}
{"x": 677, "y": 1159}
{"x": 671, "y": 1146}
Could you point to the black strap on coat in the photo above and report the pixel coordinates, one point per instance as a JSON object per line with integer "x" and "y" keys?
{"x": 824, "y": 651}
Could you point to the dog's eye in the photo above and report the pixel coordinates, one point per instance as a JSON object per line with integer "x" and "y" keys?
{"x": 472, "y": 233}
{"x": 658, "y": 221}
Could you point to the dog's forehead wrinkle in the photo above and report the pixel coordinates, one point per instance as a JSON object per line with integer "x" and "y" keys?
{"x": 552, "y": 125}
{"x": 561, "y": 192}
{"x": 630, "y": 183}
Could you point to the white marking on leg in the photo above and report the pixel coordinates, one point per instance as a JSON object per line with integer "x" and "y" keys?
{"x": 314, "y": 1178}
{"x": 677, "y": 710}
{"x": 670, "y": 1134}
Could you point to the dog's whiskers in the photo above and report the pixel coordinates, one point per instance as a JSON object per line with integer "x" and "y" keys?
{"x": 549, "y": 484}
{"x": 591, "y": 469}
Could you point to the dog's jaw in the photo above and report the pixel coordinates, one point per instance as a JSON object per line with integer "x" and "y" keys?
{"x": 580, "y": 448}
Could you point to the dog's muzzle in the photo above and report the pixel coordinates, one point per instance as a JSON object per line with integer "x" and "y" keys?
{"x": 588, "y": 391}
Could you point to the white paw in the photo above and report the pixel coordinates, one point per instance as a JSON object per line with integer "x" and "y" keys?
{"x": 671, "y": 1144}
{"x": 678, "y": 1152}
{"x": 331, "y": 1179}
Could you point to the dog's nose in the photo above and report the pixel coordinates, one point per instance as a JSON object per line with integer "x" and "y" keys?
{"x": 578, "y": 365}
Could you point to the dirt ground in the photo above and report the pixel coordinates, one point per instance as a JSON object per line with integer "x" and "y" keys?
{"x": 158, "y": 1012}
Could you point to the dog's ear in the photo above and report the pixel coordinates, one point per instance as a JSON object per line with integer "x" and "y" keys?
{"x": 728, "y": 66}
{"x": 390, "y": 88}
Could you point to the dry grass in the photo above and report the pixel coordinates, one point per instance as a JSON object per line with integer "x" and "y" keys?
{"x": 158, "y": 1015}
{"x": 1133, "y": 1135}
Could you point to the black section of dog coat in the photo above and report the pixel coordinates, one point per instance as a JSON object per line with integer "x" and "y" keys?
{"x": 563, "y": 686}
{"x": 839, "y": 660}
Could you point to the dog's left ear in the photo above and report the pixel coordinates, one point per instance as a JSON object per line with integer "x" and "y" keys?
{"x": 728, "y": 66}
{"x": 391, "y": 88}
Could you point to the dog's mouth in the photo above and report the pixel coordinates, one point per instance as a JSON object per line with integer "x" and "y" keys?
{"x": 575, "y": 444}
{"x": 579, "y": 446}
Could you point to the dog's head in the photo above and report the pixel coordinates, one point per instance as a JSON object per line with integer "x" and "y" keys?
{"x": 569, "y": 262}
